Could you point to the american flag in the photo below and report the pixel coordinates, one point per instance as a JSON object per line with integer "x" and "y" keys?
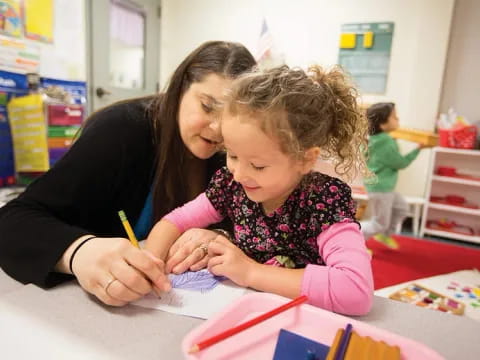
{"x": 265, "y": 43}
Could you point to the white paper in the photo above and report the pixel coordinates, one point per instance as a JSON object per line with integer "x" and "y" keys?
{"x": 199, "y": 304}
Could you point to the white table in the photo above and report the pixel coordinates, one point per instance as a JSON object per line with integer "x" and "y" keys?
{"x": 9, "y": 193}
{"x": 66, "y": 323}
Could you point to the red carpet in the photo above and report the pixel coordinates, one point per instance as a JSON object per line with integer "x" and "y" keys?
{"x": 418, "y": 258}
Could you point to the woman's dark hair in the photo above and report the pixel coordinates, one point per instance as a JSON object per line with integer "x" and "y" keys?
{"x": 378, "y": 114}
{"x": 226, "y": 59}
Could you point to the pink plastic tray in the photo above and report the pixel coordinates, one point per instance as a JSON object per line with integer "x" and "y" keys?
{"x": 258, "y": 342}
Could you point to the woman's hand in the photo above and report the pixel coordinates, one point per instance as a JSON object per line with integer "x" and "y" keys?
{"x": 228, "y": 260}
{"x": 190, "y": 251}
{"x": 116, "y": 272}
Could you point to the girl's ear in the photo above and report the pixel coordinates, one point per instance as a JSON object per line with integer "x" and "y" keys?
{"x": 310, "y": 159}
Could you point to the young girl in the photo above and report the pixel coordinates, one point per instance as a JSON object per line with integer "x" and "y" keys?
{"x": 275, "y": 125}
{"x": 384, "y": 160}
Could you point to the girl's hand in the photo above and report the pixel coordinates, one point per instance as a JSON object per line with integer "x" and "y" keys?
{"x": 116, "y": 272}
{"x": 228, "y": 260}
{"x": 188, "y": 251}
{"x": 423, "y": 146}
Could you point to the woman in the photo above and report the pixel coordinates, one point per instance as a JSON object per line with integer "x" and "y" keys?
{"x": 159, "y": 148}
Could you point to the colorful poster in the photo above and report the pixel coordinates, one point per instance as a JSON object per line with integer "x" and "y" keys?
{"x": 29, "y": 132}
{"x": 10, "y": 18}
{"x": 38, "y": 20}
{"x": 18, "y": 56}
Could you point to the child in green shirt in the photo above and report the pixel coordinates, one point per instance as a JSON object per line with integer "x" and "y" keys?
{"x": 388, "y": 208}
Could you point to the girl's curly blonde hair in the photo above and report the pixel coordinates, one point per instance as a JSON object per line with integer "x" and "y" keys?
{"x": 304, "y": 110}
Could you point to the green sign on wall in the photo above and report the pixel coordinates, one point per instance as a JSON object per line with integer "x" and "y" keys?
{"x": 365, "y": 54}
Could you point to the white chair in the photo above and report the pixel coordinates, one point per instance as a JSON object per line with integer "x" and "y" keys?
{"x": 415, "y": 204}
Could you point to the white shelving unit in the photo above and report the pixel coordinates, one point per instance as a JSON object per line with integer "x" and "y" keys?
{"x": 465, "y": 162}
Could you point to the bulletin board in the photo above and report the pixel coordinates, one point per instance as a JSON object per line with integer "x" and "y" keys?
{"x": 365, "y": 54}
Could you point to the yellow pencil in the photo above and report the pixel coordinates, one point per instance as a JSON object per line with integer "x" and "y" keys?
{"x": 128, "y": 229}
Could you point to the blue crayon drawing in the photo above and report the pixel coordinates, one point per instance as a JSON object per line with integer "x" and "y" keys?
{"x": 202, "y": 280}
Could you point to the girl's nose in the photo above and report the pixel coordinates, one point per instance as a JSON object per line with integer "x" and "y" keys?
{"x": 215, "y": 125}
{"x": 239, "y": 174}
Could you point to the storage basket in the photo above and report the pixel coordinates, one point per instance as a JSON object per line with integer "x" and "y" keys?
{"x": 460, "y": 138}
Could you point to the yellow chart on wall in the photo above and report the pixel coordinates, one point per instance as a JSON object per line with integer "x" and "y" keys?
{"x": 29, "y": 133}
{"x": 38, "y": 19}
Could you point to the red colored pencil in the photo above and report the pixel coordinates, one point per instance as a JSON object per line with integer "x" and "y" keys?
{"x": 235, "y": 330}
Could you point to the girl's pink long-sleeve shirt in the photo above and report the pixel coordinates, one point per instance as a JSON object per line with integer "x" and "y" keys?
{"x": 344, "y": 284}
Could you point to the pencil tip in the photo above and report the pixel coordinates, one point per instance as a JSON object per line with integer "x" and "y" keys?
{"x": 194, "y": 349}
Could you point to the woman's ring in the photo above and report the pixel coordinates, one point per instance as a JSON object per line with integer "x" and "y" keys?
{"x": 110, "y": 282}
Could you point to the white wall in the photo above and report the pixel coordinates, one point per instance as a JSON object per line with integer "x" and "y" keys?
{"x": 66, "y": 58}
{"x": 307, "y": 31}
{"x": 462, "y": 76}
